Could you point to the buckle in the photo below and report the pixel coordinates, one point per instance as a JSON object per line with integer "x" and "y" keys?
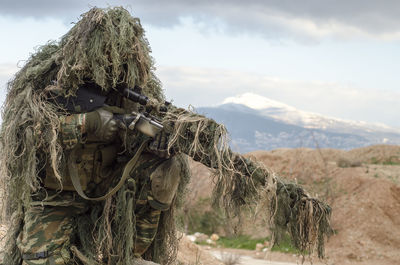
{"x": 42, "y": 255}
{"x": 38, "y": 255}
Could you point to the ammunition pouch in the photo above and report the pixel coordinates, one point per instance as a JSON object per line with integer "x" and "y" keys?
{"x": 165, "y": 181}
{"x": 94, "y": 163}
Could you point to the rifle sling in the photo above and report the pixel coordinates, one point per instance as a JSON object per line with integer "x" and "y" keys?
{"x": 73, "y": 171}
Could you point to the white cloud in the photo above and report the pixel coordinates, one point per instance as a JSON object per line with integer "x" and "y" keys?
{"x": 207, "y": 87}
{"x": 302, "y": 20}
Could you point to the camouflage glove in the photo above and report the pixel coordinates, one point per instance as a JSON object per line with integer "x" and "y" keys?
{"x": 159, "y": 146}
{"x": 101, "y": 123}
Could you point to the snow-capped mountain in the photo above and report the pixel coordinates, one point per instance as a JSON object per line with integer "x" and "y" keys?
{"x": 291, "y": 115}
{"x": 256, "y": 122}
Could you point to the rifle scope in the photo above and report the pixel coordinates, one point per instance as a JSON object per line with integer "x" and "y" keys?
{"x": 136, "y": 97}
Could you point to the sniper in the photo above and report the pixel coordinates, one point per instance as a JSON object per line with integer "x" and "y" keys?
{"x": 98, "y": 183}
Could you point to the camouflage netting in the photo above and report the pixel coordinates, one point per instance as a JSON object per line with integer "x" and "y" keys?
{"x": 107, "y": 47}
{"x": 305, "y": 218}
{"x": 243, "y": 182}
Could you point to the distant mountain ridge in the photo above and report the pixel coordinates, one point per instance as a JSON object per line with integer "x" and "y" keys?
{"x": 276, "y": 125}
{"x": 291, "y": 115}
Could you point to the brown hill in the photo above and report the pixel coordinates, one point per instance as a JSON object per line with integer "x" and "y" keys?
{"x": 361, "y": 185}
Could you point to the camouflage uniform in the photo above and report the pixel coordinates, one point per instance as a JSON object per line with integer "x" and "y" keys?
{"x": 105, "y": 49}
{"x": 49, "y": 228}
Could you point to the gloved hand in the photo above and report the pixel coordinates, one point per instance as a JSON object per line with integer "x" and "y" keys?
{"x": 101, "y": 123}
{"x": 159, "y": 146}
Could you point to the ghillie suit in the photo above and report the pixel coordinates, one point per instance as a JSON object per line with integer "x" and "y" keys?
{"x": 241, "y": 182}
{"x": 107, "y": 48}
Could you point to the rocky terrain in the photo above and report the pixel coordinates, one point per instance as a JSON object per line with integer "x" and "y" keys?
{"x": 362, "y": 186}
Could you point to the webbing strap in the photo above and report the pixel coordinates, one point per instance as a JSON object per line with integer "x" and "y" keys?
{"x": 73, "y": 171}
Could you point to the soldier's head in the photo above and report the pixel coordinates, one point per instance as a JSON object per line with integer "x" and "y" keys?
{"x": 106, "y": 47}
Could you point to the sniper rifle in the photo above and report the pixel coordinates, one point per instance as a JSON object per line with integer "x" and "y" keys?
{"x": 89, "y": 98}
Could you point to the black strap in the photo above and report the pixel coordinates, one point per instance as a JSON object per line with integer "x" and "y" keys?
{"x": 158, "y": 205}
{"x": 38, "y": 255}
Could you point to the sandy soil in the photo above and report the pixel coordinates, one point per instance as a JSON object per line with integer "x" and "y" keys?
{"x": 365, "y": 199}
{"x": 249, "y": 257}
{"x": 192, "y": 254}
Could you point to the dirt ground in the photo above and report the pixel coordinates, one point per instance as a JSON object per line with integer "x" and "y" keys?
{"x": 192, "y": 254}
{"x": 364, "y": 193}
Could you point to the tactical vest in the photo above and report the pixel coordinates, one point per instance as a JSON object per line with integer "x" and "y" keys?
{"x": 94, "y": 159}
{"x": 94, "y": 162}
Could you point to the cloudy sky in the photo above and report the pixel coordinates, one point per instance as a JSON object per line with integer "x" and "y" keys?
{"x": 337, "y": 58}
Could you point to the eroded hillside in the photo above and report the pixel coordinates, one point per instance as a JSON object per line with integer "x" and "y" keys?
{"x": 361, "y": 185}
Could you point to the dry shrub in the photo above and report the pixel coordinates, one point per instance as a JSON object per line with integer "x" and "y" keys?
{"x": 345, "y": 162}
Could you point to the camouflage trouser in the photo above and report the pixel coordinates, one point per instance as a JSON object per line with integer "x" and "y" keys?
{"x": 147, "y": 220}
{"x": 47, "y": 233}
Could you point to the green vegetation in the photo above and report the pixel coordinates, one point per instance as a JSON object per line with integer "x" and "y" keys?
{"x": 344, "y": 163}
{"x": 246, "y": 242}
{"x": 201, "y": 217}
{"x": 286, "y": 246}
{"x": 241, "y": 242}
{"x": 394, "y": 179}
{"x": 374, "y": 161}
{"x": 391, "y": 161}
